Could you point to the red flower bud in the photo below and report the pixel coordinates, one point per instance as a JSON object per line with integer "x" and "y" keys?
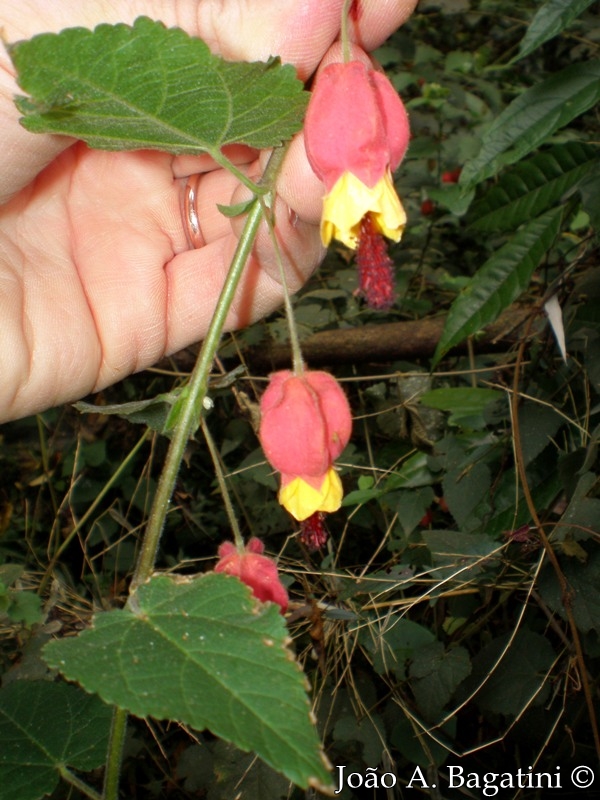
{"x": 305, "y": 425}
{"x": 255, "y": 570}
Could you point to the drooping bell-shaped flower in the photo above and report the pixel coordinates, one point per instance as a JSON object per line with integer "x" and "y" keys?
{"x": 255, "y": 570}
{"x": 356, "y": 134}
{"x": 305, "y": 425}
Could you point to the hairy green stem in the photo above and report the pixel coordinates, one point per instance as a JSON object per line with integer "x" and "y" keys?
{"x": 188, "y": 409}
{"x": 115, "y": 755}
{"x": 257, "y": 189}
{"x": 187, "y": 414}
{"x": 80, "y": 785}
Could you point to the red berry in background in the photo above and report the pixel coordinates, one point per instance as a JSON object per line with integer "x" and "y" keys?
{"x": 255, "y": 570}
{"x": 427, "y": 207}
{"x": 426, "y": 519}
{"x": 451, "y": 176}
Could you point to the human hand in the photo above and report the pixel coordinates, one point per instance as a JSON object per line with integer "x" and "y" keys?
{"x": 97, "y": 276}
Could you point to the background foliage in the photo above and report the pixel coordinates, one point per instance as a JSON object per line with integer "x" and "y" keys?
{"x": 455, "y": 615}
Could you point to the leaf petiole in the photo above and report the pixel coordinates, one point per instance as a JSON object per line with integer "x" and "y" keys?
{"x": 78, "y": 784}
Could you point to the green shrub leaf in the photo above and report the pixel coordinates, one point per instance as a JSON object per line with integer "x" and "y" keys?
{"x": 153, "y": 412}
{"x": 532, "y": 118}
{"x": 123, "y": 87}
{"x": 530, "y": 188}
{"x": 435, "y": 673}
{"x": 550, "y": 20}
{"x": 459, "y": 557}
{"x": 45, "y": 727}
{"x": 499, "y": 281}
{"x": 465, "y": 403}
{"x": 584, "y": 595}
{"x": 202, "y": 652}
{"x": 512, "y": 677}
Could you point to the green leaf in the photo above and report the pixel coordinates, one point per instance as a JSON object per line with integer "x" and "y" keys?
{"x": 465, "y": 492}
{"x": 538, "y": 425}
{"x": 466, "y": 404}
{"x": 459, "y": 557}
{"x": 510, "y": 509}
{"x": 236, "y": 209}
{"x": 580, "y": 518}
{"x": 533, "y": 186}
{"x": 589, "y": 189}
{"x": 237, "y": 774}
{"x": 393, "y": 645}
{"x": 9, "y": 574}
{"x": 359, "y": 496}
{"x": 550, "y": 20}
{"x": 25, "y": 607}
{"x": 425, "y": 749}
{"x": 123, "y": 87}
{"x": 452, "y": 197}
{"x": 413, "y": 473}
{"x": 512, "y": 678}
{"x": 410, "y": 505}
{"x": 435, "y": 674}
{"x": 153, "y": 412}
{"x": 532, "y": 117}
{"x": 499, "y": 281}
{"x": 204, "y": 653}
{"x": 367, "y": 733}
{"x": 583, "y": 593}
{"x": 45, "y": 726}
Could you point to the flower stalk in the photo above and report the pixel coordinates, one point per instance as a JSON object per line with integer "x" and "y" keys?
{"x": 188, "y": 410}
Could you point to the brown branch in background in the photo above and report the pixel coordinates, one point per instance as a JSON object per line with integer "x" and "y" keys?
{"x": 389, "y": 341}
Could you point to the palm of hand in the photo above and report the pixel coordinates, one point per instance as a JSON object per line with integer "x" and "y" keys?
{"x": 100, "y": 259}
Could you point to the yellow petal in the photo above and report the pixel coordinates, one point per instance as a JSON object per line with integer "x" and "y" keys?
{"x": 302, "y": 500}
{"x": 349, "y": 201}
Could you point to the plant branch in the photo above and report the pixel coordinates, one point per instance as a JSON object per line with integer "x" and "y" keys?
{"x": 407, "y": 339}
{"x": 188, "y": 409}
{"x": 78, "y": 784}
{"x": 185, "y": 418}
{"x": 258, "y": 189}
{"x": 115, "y": 755}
